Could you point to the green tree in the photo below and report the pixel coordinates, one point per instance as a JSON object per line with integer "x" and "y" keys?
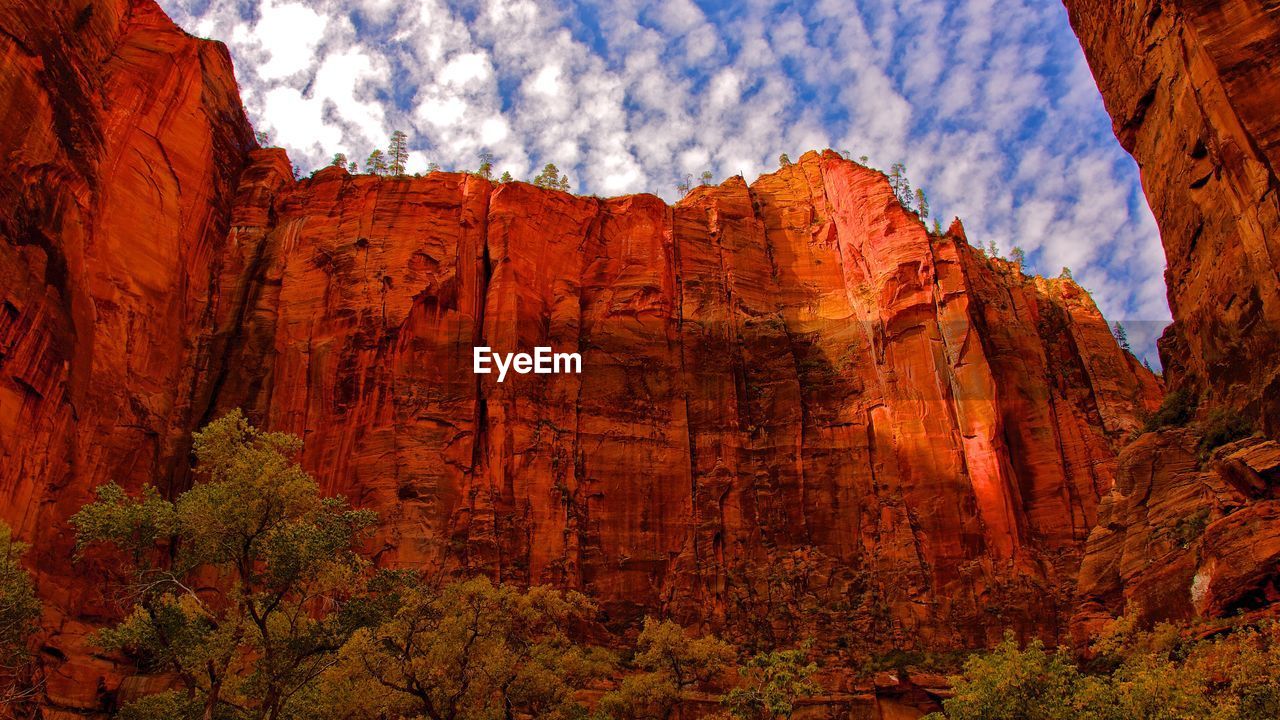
{"x": 506, "y": 177}
{"x": 486, "y": 165}
{"x": 550, "y": 178}
{"x": 19, "y": 613}
{"x": 672, "y": 662}
{"x": 477, "y": 651}
{"x": 245, "y": 587}
{"x": 1122, "y": 336}
{"x": 993, "y": 250}
{"x": 339, "y": 160}
{"x": 774, "y": 682}
{"x": 1066, "y": 273}
{"x": 398, "y": 153}
{"x": 684, "y": 186}
{"x": 706, "y": 177}
{"x": 922, "y": 204}
{"x": 376, "y": 163}
{"x": 900, "y": 184}
{"x": 1014, "y": 684}
{"x": 783, "y": 160}
{"x": 1017, "y": 255}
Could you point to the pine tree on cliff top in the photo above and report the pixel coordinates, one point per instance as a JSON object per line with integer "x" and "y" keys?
{"x": 398, "y": 153}
{"x": 376, "y": 164}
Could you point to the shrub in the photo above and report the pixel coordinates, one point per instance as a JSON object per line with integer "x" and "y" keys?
{"x": 1224, "y": 425}
{"x": 1177, "y": 410}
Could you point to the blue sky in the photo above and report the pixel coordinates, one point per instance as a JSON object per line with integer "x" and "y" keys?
{"x": 988, "y": 102}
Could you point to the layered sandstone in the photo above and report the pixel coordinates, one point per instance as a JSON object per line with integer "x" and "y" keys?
{"x": 800, "y": 411}
{"x": 122, "y": 139}
{"x": 1193, "y": 88}
{"x": 796, "y": 400}
{"x": 1179, "y": 539}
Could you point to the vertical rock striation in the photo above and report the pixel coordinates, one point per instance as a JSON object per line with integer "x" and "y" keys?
{"x": 799, "y": 411}
{"x": 1193, "y": 87}
{"x": 122, "y": 138}
{"x": 796, "y": 402}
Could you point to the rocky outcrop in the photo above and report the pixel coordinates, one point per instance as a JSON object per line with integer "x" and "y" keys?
{"x": 1178, "y": 539}
{"x": 122, "y": 139}
{"x": 799, "y": 412}
{"x": 1193, "y": 88}
{"x": 795, "y": 401}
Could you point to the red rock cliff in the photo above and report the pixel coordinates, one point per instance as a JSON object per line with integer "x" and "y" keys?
{"x": 1193, "y": 87}
{"x": 799, "y": 410}
{"x": 122, "y": 138}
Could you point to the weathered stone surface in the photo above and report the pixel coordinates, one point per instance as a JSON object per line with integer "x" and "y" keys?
{"x": 800, "y": 411}
{"x": 1177, "y": 540}
{"x": 122, "y": 138}
{"x": 795, "y": 400}
{"x": 1193, "y": 87}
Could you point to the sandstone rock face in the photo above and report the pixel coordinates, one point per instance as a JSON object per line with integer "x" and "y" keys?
{"x": 1178, "y": 540}
{"x": 122, "y": 139}
{"x": 799, "y": 411}
{"x": 1193, "y": 87}
{"x": 796, "y": 403}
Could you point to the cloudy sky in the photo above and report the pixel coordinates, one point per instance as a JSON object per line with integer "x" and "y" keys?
{"x": 988, "y": 102}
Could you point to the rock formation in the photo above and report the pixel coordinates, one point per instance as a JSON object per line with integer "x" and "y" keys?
{"x": 1193, "y": 88}
{"x": 799, "y": 409}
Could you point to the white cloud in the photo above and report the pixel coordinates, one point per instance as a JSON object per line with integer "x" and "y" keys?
{"x": 988, "y": 102}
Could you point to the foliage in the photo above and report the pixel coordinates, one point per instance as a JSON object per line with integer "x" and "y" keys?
{"x": 774, "y": 682}
{"x": 900, "y": 184}
{"x": 1010, "y": 683}
{"x": 486, "y": 165}
{"x": 19, "y": 613}
{"x": 1188, "y": 528}
{"x": 671, "y": 662}
{"x": 1162, "y": 674}
{"x": 339, "y": 160}
{"x": 922, "y": 204}
{"x": 472, "y": 650}
{"x": 706, "y": 177}
{"x": 506, "y": 177}
{"x": 1121, "y": 335}
{"x": 685, "y": 185}
{"x": 264, "y": 585}
{"x": 1224, "y": 425}
{"x": 376, "y": 163}
{"x": 550, "y": 178}
{"x": 1018, "y": 256}
{"x": 397, "y": 153}
{"x": 1066, "y": 273}
{"x": 784, "y": 160}
{"x": 1176, "y": 410}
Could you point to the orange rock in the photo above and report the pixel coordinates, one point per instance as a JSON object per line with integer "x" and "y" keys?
{"x": 799, "y": 409}
{"x": 122, "y": 138}
{"x": 1193, "y": 89}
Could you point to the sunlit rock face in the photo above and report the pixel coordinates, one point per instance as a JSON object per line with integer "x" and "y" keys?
{"x": 788, "y": 384}
{"x": 1194, "y": 88}
{"x": 799, "y": 411}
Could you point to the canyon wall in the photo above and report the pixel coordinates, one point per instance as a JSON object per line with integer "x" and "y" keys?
{"x": 800, "y": 411}
{"x": 122, "y": 139}
{"x": 1193, "y": 87}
